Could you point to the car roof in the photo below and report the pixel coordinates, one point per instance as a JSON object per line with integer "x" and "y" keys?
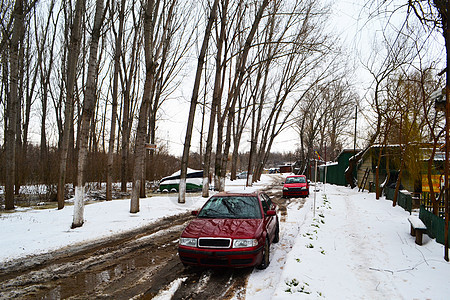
{"x": 238, "y": 193}
{"x": 296, "y": 176}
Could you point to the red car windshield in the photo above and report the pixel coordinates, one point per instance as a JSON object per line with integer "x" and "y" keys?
{"x": 231, "y": 207}
{"x": 295, "y": 180}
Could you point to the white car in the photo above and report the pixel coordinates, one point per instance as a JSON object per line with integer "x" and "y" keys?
{"x": 242, "y": 175}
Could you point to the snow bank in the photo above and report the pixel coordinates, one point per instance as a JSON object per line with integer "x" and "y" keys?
{"x": 355, "y": 247}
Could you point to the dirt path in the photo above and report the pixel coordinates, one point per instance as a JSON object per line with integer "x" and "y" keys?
{"x": 136, "y": 265}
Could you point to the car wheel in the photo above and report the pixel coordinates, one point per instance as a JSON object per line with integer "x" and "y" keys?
{"x": 276, "y": 238}
{"x": 266, "y": 255}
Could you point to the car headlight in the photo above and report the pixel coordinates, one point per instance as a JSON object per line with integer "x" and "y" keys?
{"x": 190, "y": 242}
{"x": 304, "y": 188}
{"x": 244, "y": 243}
{"x": 285, "y": 189}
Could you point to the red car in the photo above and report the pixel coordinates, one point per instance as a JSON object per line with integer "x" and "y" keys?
{"x": 231, "y": 230}
{"x": 296, "y": 186}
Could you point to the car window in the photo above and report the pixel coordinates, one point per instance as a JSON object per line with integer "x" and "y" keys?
{"x": 231, "y": 207}
{"x": 266, "y": 202}
{"x": 295, "y": 180}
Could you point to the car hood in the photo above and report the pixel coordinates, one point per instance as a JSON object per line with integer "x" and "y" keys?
{"x": 230, "y": 228}
{"x": 295, "y": 185}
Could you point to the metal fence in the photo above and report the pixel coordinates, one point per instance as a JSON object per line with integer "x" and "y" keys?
{"x": 403, "y": 199}
{"x": 425, "y": 201}
{"x": 435, "y": 225}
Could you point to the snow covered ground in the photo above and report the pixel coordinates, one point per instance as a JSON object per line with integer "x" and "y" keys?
{"x": 350, "y": 246}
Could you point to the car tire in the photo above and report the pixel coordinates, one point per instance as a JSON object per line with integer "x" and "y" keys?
{"x": 265, "y": 256}
{"x": 276, "y": 238}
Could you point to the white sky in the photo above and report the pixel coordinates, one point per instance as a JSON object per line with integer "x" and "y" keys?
{"x": 345, "y": 22}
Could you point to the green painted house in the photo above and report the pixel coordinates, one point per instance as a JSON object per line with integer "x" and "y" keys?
{"x": 335, "y": 171}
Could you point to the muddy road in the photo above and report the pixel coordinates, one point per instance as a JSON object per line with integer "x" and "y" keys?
{"x": 135, "y": 265}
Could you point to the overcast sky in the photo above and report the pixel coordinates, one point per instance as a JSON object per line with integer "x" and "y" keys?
{"x": 349, "y": 20}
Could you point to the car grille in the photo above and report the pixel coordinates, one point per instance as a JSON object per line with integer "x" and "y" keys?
{"x": 214, "y": 242}
{"x": 245, "y": 261}
{"x": 188, "y": 259}
{"x": 214, "y": 261}
{"x": 297, "y": 189}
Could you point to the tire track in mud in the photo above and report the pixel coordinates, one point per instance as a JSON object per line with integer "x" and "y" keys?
{"x": 120, "y": 267}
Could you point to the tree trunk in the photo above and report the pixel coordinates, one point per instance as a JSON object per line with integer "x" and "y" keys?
{"x": 19, "y": 165}
{"x": 126, "y": 109}
{"x": 241, "y": 69}
{"x": 377, "y": 172}
{"x": 226, "y": 150}
{"x": 217, "y": 95}
{"x": 149, "y": 25}
{"x": 112, "y": 135}
{"x": 72, "y": 61}
{"x": 256, "y": 123}
{"x": 399, "y": 180}
{"x": 194, "y": 99}
{"x": 90, "y": 100}
{"x": 12, "y": 104}
{"x": 125, "y": 138}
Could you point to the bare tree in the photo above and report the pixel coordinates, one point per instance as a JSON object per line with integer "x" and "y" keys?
{"x": 45, "y": 44}
{"x": 194, "y": 99}
{"x": 129, "y": 79}
{"x": 433, "y": 121}
{"x": 217, "y": 94}
{"x": 150, "y": 15}
{"x": 89, "y": 104}
{"x": 72, "y": 60}
{"x": 117, "y": 56}
{"x": 173, "y": 44}
{"x": 236, "y": 89}
{"x": 307, "y": 60}
{"x": 18, "y": 17}
{"x": 407, "y": 104}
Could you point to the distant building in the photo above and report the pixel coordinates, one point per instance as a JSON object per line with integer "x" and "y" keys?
{"x": 285, "y": 168}
{"x": 335, "y": 171}
{"x": 414, "y": 170}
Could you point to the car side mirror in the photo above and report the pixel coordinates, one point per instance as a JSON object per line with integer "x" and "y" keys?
{"x": 271, "y": 213}
{"x": 194, "y": 212}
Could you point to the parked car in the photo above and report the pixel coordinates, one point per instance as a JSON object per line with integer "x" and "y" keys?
{"x": 194, "y": 182}
{"x": 242, "y": 175}
{"x": 231, "y": 230}
{"x": 296, "y": 186}
{"x": 274, "y": 170}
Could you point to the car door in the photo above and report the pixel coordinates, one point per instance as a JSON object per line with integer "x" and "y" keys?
{"x": 269, "y": 221}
